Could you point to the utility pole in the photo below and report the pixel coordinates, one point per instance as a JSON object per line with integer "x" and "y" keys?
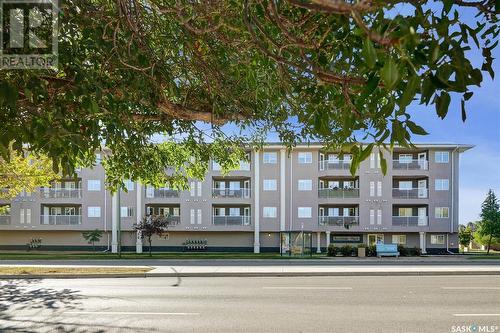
{"x": 119, "y": 222}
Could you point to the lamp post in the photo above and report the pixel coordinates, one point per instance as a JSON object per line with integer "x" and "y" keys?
{"x": 119, "y": 223}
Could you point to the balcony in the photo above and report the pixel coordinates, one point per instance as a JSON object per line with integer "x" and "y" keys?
{"x": 410, "y": 164}
{"x": 334, "y": 165}
{"x": 231, "y": 193}
{"x": 229, "y": 220}
{"x": 410, "y": 221}
{"x": 412, "y": 193}
{"x": 60, "y": 219}
{"x": 339, "y": 221}
{"x": 161, "y": 193}
{"x": 4, "y": 219}
{"x": 174, "y": 220}
{"x": 340, "y": 193}
{"x": 48, "y": 192}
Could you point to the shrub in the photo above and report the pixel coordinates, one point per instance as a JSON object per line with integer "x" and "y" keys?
{"x": 415, "y": 251}
{"x": 332, "y": 251}
{"x": 403, "y": 251}
{"x": 346, "y": 250}
{"x": 371, "y": 251}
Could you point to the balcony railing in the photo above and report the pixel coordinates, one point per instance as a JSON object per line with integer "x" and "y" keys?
{"x": 174, "y": 219}
{"x": 61, "y": 192}
{"x": 338, "y": 193}
{"x": 410, "y": 164}
{"x": 4, "y": 219}
{"x": 162, "y": 193}
{"x": 61, "y": 219}
{"x": 243, "y": 166}
{"x": 231, "y": 220}
{"x": 231, "y": 193}
{"x": 413, "y": 193}
{"x": 409, "y": 221}
{"x": 338, "y": 221}
{"x": 334, "y": 165}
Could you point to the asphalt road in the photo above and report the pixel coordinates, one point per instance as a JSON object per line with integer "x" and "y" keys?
{"x": 313, "y": 304}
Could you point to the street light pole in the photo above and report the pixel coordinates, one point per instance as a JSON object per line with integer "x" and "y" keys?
{"x": 119, "y": 223}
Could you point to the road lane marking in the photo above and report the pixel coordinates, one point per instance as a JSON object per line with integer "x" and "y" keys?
{"x": 476, "y": 314}
{"x": 471, "y": 288}
{"x": 133, "y": 313}
{"x": 308, "y": 288}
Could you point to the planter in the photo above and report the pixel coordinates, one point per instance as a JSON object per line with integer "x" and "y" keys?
{"x": 361, "y": 252}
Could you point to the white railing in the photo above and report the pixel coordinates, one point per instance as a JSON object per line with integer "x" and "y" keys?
{"x": 60, "y": 192}
{"x": 338, "y": 193}
{"x": 228, "y": 220}
{"x": 409, "y": 221}
{"x": 231, "y": 193}
{"x": 412, "y": 193}
{"x": 402, "y": 164}
{"x": 334, "y": 165}
{"x": 4, "y": 219}
{"x": 61, "y": 219}
{"x": 338, "y": 221}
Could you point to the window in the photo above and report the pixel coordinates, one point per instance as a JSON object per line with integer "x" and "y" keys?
{"x": 442, "y": 184}
{"x": 198, "y": 187}
{"x": 305, "y": 157}
{"x": 269, "y": 185}
{"x": 372, "y": 189}
{"x": 93, "y": 185}
{"x": 305, "y": 184}
{"x": 270, "y": 158}
{"x": 405, "y": 185}
{"x": 215, "y": 166}
{"x": 304, "y": 212}
{"x": 269, "y": 212}
{"x": 94, "y": 211}
{"x": 399, "y": 239}
{"x": 405, "y": 212}
{"x": 372, "y": 160}
{"x": 379, "y": 216}
{"x": 127, "y": 211}
{"x": 442, "y": 157}
{"x": 192, "y": 188}
{"x": 192, "y": 219}
{"x": 372, "y": 216}
{"x": 405, "y": 158}
{"x": 199, "y": 216}
{"x": 437, "y": 239}
{"x": 25, "y": 215}
{"x": 28, "y": 216}
{"x": 129, "y": 185}
{"x": 442, "y": 212}
{"x": 379, "y": 189}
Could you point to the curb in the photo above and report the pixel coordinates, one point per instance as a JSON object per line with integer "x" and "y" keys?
{"x": 243, "y": 274}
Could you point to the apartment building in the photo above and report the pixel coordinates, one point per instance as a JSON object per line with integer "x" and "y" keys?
{"x": 415, "y": 204}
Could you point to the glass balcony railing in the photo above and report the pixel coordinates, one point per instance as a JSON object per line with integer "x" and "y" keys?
{"x": 60, "y": 219}
{"x": 334, "y": 165}
{"x": 412, "y": 193}
{"x": 403, "y": 164}
{"x": 338, "y": 221}
{"x": 61, "y": 192}
{"x": 231, "y": 193}
{"x": 410, "y": 221}
{"x": 338, "y": 193}
{"x": 231, "y": 220}
{"x": 161, "y": 193}
{"x": 4, "y": 219}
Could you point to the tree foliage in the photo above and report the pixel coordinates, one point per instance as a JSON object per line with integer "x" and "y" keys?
{"x": 465, "y": 235}
{"x": 92, "y": 237}
{"x": 150, "y": 226}
{"x": 322, "y": 70}
{"x": 23, "y": 171}
{"x": 489, "y": 226}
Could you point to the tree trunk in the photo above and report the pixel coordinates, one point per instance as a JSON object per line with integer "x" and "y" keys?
{"x": 149, "y": 241}
{"x": 489, "y": 244}
{"x": 93, "y": 246}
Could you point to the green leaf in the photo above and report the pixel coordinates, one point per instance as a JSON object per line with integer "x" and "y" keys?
{"x": 442, "y": 104}
{"x": 369, "y": 53}
{"x": 409, "y": 91}
{"x": 383, "y": 162}
{"x": 390, "y": 74}
{"x": 415, "y": 129}
{"x": 464, "y": 114}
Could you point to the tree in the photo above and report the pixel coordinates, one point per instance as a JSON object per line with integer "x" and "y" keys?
{"x": 489, "y": 226}
{"x": 23, "y": 171}
{"x": 92, "y": 237}
{"x": 152, "y": 225}
{"x": 464, "y": 236}
{"x": 322, "y": 70}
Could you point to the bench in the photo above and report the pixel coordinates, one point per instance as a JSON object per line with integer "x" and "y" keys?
{"x": 387, "y": 250}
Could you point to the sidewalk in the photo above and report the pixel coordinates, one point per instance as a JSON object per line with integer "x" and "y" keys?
{"x": 241, "y": 268}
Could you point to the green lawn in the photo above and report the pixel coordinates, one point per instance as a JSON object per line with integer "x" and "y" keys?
{"x": 131, "y": 255}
